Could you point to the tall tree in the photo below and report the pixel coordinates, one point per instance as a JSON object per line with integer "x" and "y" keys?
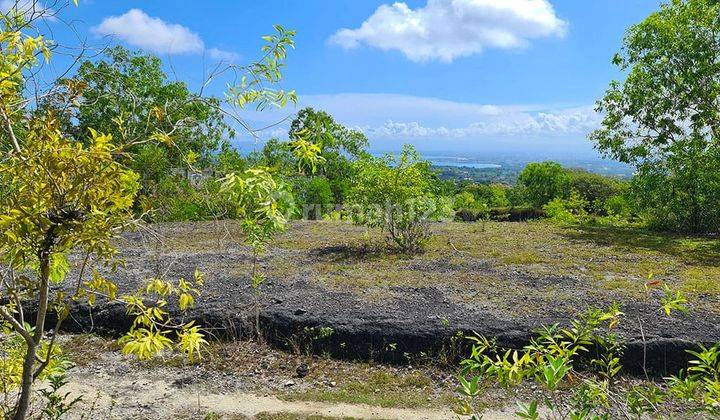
{"x": 665, "y": 116}
{"x": 338, "y": 146}
{"x": 543, "y": 181}
{"x": 128, "y": 95}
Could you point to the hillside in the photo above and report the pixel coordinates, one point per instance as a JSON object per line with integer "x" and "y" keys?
{"x": 501, "y": 280}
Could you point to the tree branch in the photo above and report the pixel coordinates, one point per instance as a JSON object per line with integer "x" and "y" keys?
{"x": 10, "y": 131}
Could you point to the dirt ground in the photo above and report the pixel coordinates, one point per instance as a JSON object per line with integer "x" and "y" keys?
{"x": 501, "y": 280}
{"x": 247, "y": 380}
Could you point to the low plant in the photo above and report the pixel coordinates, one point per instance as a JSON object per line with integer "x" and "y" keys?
{"x": 577, "y": 369}
{"x": 262, "y": 203}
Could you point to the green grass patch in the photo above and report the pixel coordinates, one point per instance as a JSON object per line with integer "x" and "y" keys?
{"x": 380, "y": 389}
{"x": 702, "y": 280}
{"x": 522, "y": 257}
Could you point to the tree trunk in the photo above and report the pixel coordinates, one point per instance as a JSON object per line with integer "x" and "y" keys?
{"x": 23, "y": 403}
{"x": 21, "y": 408}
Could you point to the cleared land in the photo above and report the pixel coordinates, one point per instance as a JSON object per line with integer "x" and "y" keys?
{"x": 332, "y": 287}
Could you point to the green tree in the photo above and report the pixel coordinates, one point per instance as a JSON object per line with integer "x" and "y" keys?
{"x": 664, "y": 117}
{"x": 398, "y": 195}
{"x": 320, "y": 128}
{"x": 63, "y": 193}
{"x": 128, "y": 95}
{"x": 229, "y": 160}
{"x": 494, "y": 195}
{"x": 338, "y": 147}
{"x": 463, "y": 200}
{"x": 277, "y": 155}
{"x": 544, "y": 181}
{"x": 315, "y": 197}
{"x": 595, "y": 189}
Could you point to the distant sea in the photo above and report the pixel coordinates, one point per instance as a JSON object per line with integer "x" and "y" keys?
{"x": 460, "y": 162}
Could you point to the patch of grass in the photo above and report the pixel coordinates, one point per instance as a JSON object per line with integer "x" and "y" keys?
{"x": 689, "y": 249}
{"x": 84, "y": 349}
{"x": 379, "y": 389}
{"x": 500, "y": 261}
{"x": 701, "y": 280}
{"x": 331, "y": 380}
{"x": 618, "y": 284}
{"x": 522, "y": 257}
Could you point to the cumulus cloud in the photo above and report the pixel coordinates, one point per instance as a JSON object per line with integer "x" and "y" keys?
{"x": 393, "y": 118}
{"x": 446, "y": 29}
{"x": 138, "y": 29}
{"x": 222, "y": 55}
{"x": 558, "y": 123}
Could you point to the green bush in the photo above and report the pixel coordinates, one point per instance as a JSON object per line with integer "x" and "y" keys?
{"x": 463, "y": 200}
{"x": 398, "y": 195}
{"x": 495, "y": 195}
{"x": 152, "y": 163}
{"x": 516, "y": 214}
{"x": 678, "y": 196}
{"x": 175, "y": 199}
{"x": 567, "y": 211}
{"x": 577, "y": 371}
{"x": 595, "y": 189}
{"x": 474, "y": 213}
{"x": 618, "y": 205}
{"x": 315, "y": 197}
{"x": 544, "y": 181}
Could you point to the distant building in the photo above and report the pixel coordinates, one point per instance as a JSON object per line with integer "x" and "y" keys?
{"x": 194, "y": 177}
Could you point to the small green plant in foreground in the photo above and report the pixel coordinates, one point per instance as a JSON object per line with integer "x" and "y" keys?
{"x": 577, "y": 369}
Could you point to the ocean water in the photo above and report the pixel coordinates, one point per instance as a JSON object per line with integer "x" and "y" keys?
{"x": 461, "y": 162}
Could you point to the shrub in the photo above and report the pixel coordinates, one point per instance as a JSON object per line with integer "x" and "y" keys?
{"x": 543, "y": 182}
{"x": 595, "y": 189}
{"x": 315, "y": 197}
{"x": 516, "y": 214}
{"x": 463, "y": 200}
{"x": 472, "y": 214}
{"x": 175, "y": 199}
{"x": 679, "y": 196}
{"x": 618, "y": 205}
{"x": 495, "y": 195}
{"x": 577, "y": 369}
{"x": 399, "y": 196}
{"x": 570, "y": 210}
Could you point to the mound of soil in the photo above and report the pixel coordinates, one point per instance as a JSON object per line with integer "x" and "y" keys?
{"x": 303, "y": 308}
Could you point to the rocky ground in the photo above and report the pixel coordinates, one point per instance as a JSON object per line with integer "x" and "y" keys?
{"x": 333, "y": 288}
{"x": 239, "y": 380}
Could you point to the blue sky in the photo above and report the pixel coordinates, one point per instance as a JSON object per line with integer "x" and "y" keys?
{"x": 476, "y": 76}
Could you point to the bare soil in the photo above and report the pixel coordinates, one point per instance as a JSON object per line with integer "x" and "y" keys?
{"x": 501, "y": 280}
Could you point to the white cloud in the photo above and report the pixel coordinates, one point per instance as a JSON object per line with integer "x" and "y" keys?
{"x": 395, "y": 119}
{"x": 447, "y": 29}
{"x": 153, "y": 34}
{"x": 223, "y": 56}
{"x": 556, "y": 123}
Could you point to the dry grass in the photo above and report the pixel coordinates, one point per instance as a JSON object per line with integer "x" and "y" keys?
{"x": 522, "y": 258}
{"x": 335, "y": 381}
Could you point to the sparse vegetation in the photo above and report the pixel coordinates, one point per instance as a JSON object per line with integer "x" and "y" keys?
{"x": 392, "y": 266}
{"x": 397, "y": 195}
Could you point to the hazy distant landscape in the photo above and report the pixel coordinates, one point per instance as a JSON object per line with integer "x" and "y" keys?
{"x": 509, "y": 167}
